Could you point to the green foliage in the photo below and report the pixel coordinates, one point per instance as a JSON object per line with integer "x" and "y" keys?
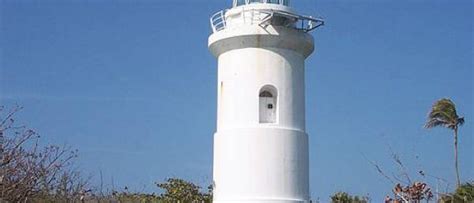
{"x": 178, "y": 190}
{"x": 174, "y": 190}
{"x": 137, "y": 198}
{"x": 443, "y": 113}
{"x": 466, "y": 192}
{"x": 344, "y": 197}
{"x": 463, "y": 194}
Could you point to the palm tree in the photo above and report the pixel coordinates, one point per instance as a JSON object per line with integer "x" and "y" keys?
{"x": 443, "y": 113}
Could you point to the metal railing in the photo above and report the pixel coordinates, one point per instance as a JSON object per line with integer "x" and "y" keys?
{"x": 218, "y": 21}
{"x": 253, "y": 16}
{"x": 236, "y": 3}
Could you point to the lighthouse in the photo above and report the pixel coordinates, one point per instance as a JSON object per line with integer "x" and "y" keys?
{"x": 261, "y": 144}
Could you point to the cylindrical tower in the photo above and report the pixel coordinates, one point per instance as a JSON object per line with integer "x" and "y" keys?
{"x": 261, "y": 147}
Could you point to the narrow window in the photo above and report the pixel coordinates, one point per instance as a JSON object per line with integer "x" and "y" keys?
{"x": 267, "y": 104}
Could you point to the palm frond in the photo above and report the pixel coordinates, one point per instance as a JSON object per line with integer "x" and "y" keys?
{"x": 461, "y": 121}
{"x": 443, "y": 113}
{"x": 435, "y": 123}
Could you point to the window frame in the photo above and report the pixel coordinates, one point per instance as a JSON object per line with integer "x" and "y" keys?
{"x": 273, "y": 91}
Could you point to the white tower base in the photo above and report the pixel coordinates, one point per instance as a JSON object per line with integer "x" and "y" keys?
{"x": 261, "y": 165}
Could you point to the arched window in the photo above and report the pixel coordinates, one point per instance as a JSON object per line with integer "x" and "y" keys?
{"x": 267, "y": 99}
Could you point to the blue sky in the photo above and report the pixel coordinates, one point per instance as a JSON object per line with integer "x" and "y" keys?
{"x": 131, "y": 84}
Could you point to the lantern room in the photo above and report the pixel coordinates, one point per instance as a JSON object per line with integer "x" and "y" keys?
{"x": 263, "y": 13}
{"x": 246, "y": 2}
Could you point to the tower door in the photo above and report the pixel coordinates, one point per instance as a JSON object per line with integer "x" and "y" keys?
{"x": 267, "y": 107}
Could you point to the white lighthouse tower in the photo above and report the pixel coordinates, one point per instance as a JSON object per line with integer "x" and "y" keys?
{"x": 261, "y": 147}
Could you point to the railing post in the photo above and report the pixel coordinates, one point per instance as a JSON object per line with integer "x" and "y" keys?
{"x": 224, "y": 23}
{"x": 243, "y": 15}
{"x": 251, "y": 17}
{"x": 212, "y": 25}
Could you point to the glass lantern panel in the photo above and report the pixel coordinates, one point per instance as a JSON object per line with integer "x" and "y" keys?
{"x": 239, "y": 2}
{"x": 256, "y": 1}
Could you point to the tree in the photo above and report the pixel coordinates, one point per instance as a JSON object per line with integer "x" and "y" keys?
{"x": 464, "y": 193}
{"x": 443, "y": 113}
{"x": 178, "y": 190}
{"x": 29, "y": 171}
{"x": 405, "y": 190}
{"x": 344, "y": 197}
{"x": 412, "y": 193}
{"x": 173, "y": 190}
